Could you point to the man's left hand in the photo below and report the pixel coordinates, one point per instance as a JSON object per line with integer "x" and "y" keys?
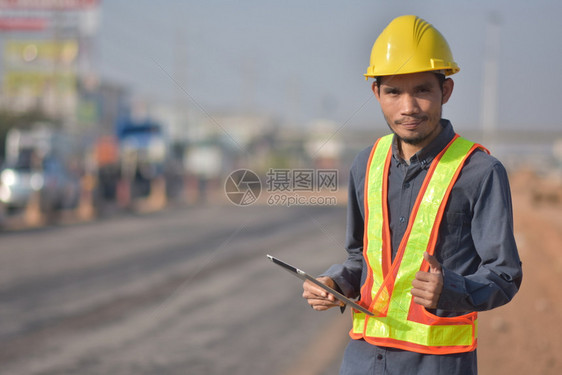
{"x": 427, "y": 286}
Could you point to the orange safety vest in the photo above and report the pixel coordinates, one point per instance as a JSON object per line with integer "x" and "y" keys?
{"x": 398, "y": 321}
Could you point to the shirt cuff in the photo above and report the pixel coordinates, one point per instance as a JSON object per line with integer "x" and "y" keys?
{"x": 454, "y": 293}
{"x": 336, "y": 273}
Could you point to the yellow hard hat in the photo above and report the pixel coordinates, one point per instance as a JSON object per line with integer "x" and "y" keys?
{"x": 410, "y": 45}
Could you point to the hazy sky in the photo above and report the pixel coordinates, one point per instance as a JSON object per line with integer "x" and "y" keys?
{"x": 302, "y": 60}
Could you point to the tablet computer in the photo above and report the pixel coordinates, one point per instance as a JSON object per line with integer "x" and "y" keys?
{"x": 304, "y": 276}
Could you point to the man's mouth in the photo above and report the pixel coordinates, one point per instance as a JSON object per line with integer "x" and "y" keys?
{"x": 410, "y": 123}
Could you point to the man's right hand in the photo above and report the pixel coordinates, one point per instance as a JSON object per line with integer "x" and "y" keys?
{"x": 317, "y": 297}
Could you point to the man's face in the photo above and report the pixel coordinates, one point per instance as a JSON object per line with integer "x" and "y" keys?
{"x": 411, "y": 105}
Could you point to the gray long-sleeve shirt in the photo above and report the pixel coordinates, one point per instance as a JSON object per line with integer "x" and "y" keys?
{"x": 476, "y": 246}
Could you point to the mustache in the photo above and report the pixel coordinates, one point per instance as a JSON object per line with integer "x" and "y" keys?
{"x": 408, "y": 119}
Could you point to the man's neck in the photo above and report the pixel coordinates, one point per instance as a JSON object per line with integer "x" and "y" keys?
{"x": 406, "y": 150}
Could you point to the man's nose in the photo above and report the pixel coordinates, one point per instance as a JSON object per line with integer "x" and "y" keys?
{"x": 409, "y": 104}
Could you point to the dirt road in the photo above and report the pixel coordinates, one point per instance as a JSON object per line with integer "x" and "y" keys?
{"x": 186, "y": 291}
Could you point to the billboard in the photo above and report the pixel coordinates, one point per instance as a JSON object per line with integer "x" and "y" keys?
{"x": 48, "y": 4}
{"x": 36, "y": 84}
{"x": 41, "y": 71}
{"x": 40, "y": 55}
{"x": 23, "y": 24}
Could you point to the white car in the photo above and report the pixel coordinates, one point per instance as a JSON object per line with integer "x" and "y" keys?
{"x": 56, "y": 188}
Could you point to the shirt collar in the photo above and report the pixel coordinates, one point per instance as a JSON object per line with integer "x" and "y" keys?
{"x": 426, "y": 155}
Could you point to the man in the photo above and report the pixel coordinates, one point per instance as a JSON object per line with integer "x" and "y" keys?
{"x": 430, "y": 231}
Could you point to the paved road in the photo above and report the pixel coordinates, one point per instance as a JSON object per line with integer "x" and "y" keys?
{"x": 183, "y": 291}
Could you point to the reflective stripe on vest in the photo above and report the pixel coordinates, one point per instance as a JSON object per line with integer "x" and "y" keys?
{"x": 398, "y": 321}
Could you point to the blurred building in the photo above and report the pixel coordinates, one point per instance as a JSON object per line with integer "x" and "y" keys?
{"x": 324, "y": 146}
{"x": 47, "y": 50}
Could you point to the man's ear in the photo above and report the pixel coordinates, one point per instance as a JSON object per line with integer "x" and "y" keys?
{"x": 448, "y": 86}
{"x": 376, "y": 91}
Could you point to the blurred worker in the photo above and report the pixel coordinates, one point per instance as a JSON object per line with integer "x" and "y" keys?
{"x": 430, "y": 231}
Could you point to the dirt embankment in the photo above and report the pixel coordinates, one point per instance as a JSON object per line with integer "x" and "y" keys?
{"x": 525, "y": 336}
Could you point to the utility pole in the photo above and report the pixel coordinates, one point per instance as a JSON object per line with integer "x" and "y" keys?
{"x": 181, "y": 110}
{"x": 249, "y": 78}
{"x": 490, "y": 84}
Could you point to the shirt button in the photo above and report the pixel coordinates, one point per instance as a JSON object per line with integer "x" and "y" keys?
{"x": 379, "y": 356}
{"x": 406, "y": 185}
{"x": 402, "y": 219}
